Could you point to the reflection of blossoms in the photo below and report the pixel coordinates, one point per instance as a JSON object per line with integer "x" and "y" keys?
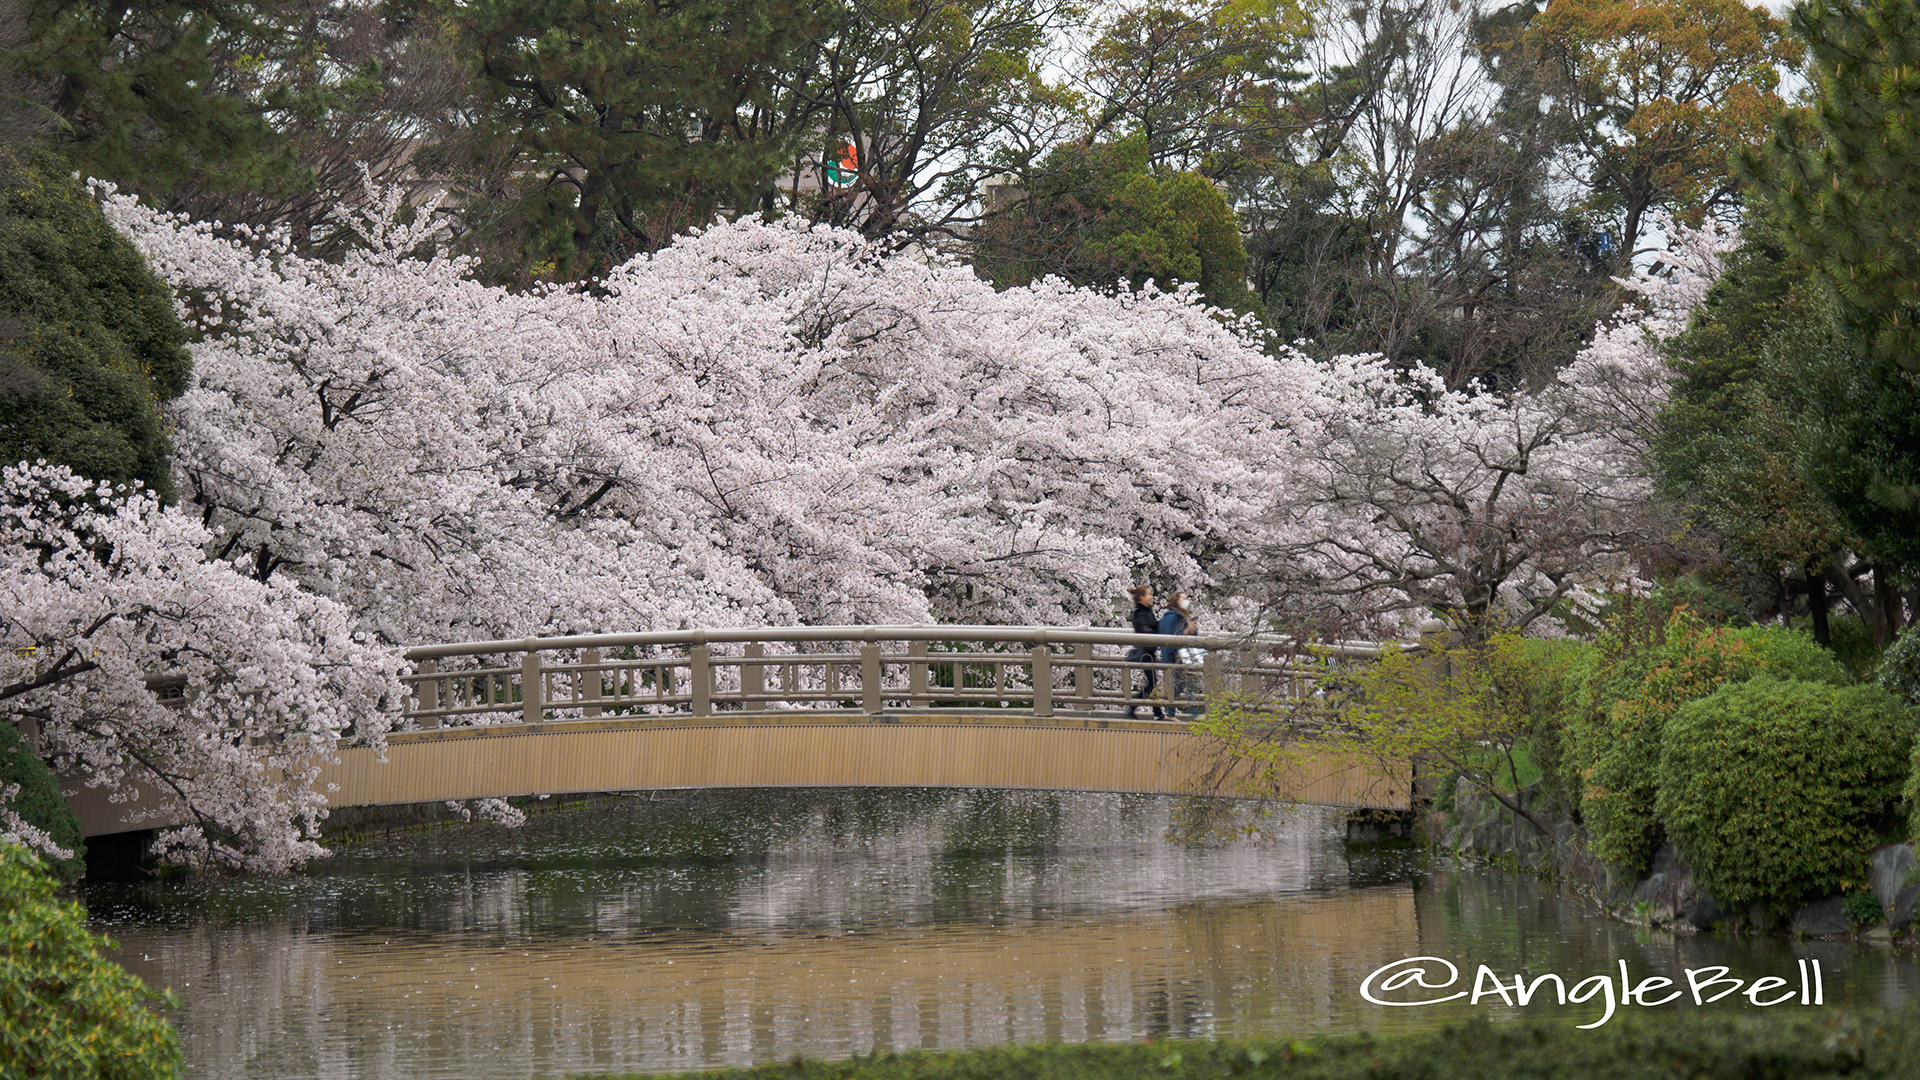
{"x": 498, "y": 811}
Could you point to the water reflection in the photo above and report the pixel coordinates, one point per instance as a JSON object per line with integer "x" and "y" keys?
{"x": 730, "y": 928}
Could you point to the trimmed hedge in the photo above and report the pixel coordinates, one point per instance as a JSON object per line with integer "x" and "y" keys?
{"x": 1614, "y": 748}
{"x": 89, "y": 342}
{"x": 1772, "y": 789}
{"x": 1799, "y": 1046}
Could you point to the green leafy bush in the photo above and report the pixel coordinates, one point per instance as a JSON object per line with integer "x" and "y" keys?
{"x": 1547, "y": 683}
{"x": 69, "y": 1013}
{"x": 1863, "y": 908}
{"x": 1771, "y": 788}
{"x": 1852, "y": 644}
{"x": 40, "y": 804}
{"x": 1615, "y": 745}
{"x": 1899, "y": 670}
{"x": 1899, "y": 675}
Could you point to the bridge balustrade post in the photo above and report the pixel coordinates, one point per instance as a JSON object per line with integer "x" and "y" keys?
{"x": 530, "y": 694}
{"x": 1083, "y": 673}
{"x": 429, "y": 690}
{"x": 701, "y": 675}
{"x": 1213, "y": 676}
{"x": 1251, "y": 679}
{"x": 753, "y": 678}
{"x": 1042, "y": 679}
{"x": 917, "y": 674}
{"x": 870, "y": 677}
{"x": 590, "y": 686}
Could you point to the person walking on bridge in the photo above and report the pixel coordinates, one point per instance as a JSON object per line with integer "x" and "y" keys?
{"x": 1144, "y": 622}
{"x": 1177, "y": 619}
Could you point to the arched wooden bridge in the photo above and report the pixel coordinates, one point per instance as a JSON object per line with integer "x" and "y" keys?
{"x": 875, "y": 706}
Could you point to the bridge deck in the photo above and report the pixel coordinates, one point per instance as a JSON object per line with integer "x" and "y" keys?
{"x": 822, "y": 706}
{"x": 978, "y": 750}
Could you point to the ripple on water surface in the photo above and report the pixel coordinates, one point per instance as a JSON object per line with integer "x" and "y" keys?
{"x": 729, "y": 928}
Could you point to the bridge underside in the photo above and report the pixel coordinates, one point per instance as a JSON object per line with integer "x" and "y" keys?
{"x": 957, "y": 751}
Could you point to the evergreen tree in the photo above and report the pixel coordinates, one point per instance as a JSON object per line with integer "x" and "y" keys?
{"x": 89, "y": 343}
{"x": 1098, "y": 215}
{"x": 1845, "y": 188}
{"x": 609, "y": 127}
{"x": 167, "y": 97}
{"x": 38, "y": 803}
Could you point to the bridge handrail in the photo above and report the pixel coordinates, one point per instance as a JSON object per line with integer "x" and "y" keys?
{"x": 1061, "y": 635}
{"x": 1034, "y": 682}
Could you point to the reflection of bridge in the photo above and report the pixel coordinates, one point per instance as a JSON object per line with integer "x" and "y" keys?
{"x": 920, "y": 706}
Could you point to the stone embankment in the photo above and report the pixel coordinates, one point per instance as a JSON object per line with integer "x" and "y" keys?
{"x": 1669, "y": 895}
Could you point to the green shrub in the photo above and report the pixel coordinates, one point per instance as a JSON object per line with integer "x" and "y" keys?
{"x": 1853, "y": 647}
{"x": 40, "y": 804}
{"x": 1548, "y": 685}
{"x": 1899, "y": 675}
{"x": 1616, "y": 746}
{"x": 69, "y": 1013}
{"x": 1771, "y": 788}
{"x": 1899, "y": 670}
{"x": 1863, "y": 908}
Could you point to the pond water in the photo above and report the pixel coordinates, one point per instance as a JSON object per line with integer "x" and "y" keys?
{"x": 701, "y": 929}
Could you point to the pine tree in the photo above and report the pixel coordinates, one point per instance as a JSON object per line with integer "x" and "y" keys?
{"x": 1844, "y": 184}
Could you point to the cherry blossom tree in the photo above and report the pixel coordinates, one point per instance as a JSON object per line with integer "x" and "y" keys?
{"x": 774, "y": 423}
{"x": 101, "y": 591}
{"x": 758, "y": 424}
{"x": 1491, "y": 511}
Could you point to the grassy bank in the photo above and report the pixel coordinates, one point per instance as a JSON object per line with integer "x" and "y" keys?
{"x": 1832, "y": 1043}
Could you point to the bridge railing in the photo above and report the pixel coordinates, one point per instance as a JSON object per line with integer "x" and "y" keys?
{"x": 847, "y": 671}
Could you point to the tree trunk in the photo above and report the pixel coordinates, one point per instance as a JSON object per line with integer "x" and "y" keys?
{"x": 1891, "y": 614}
{"x": 1817, "y": 607}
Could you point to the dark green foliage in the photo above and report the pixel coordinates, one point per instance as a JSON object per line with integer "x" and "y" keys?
{"x": 1863, "y": 908}
{"x": 163, "y": 95}
{"x": 1614, "y": 746}
{"x": 1899, "y": 670}
{"x": 610, "y": 127}
{"x": 66, "y": 1011}
{"x": 1798, "y": 1046}
{"x": 1731, "y": 441}
{"x": 1100, "y": 216}
{"x": 1899, "y": 675}
{"x": 1845, "y": 189}
{"x": 40, "y": 804}
{"x": 1772, "y": 789}
{"x": 89, "y": 343}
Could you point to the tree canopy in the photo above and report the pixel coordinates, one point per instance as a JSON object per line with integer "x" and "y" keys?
{"x": 1843, "y": 185}
{"x": 1099, "y": 215}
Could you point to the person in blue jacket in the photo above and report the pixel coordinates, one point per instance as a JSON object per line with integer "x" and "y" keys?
{"x": 1177, "y": 619}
